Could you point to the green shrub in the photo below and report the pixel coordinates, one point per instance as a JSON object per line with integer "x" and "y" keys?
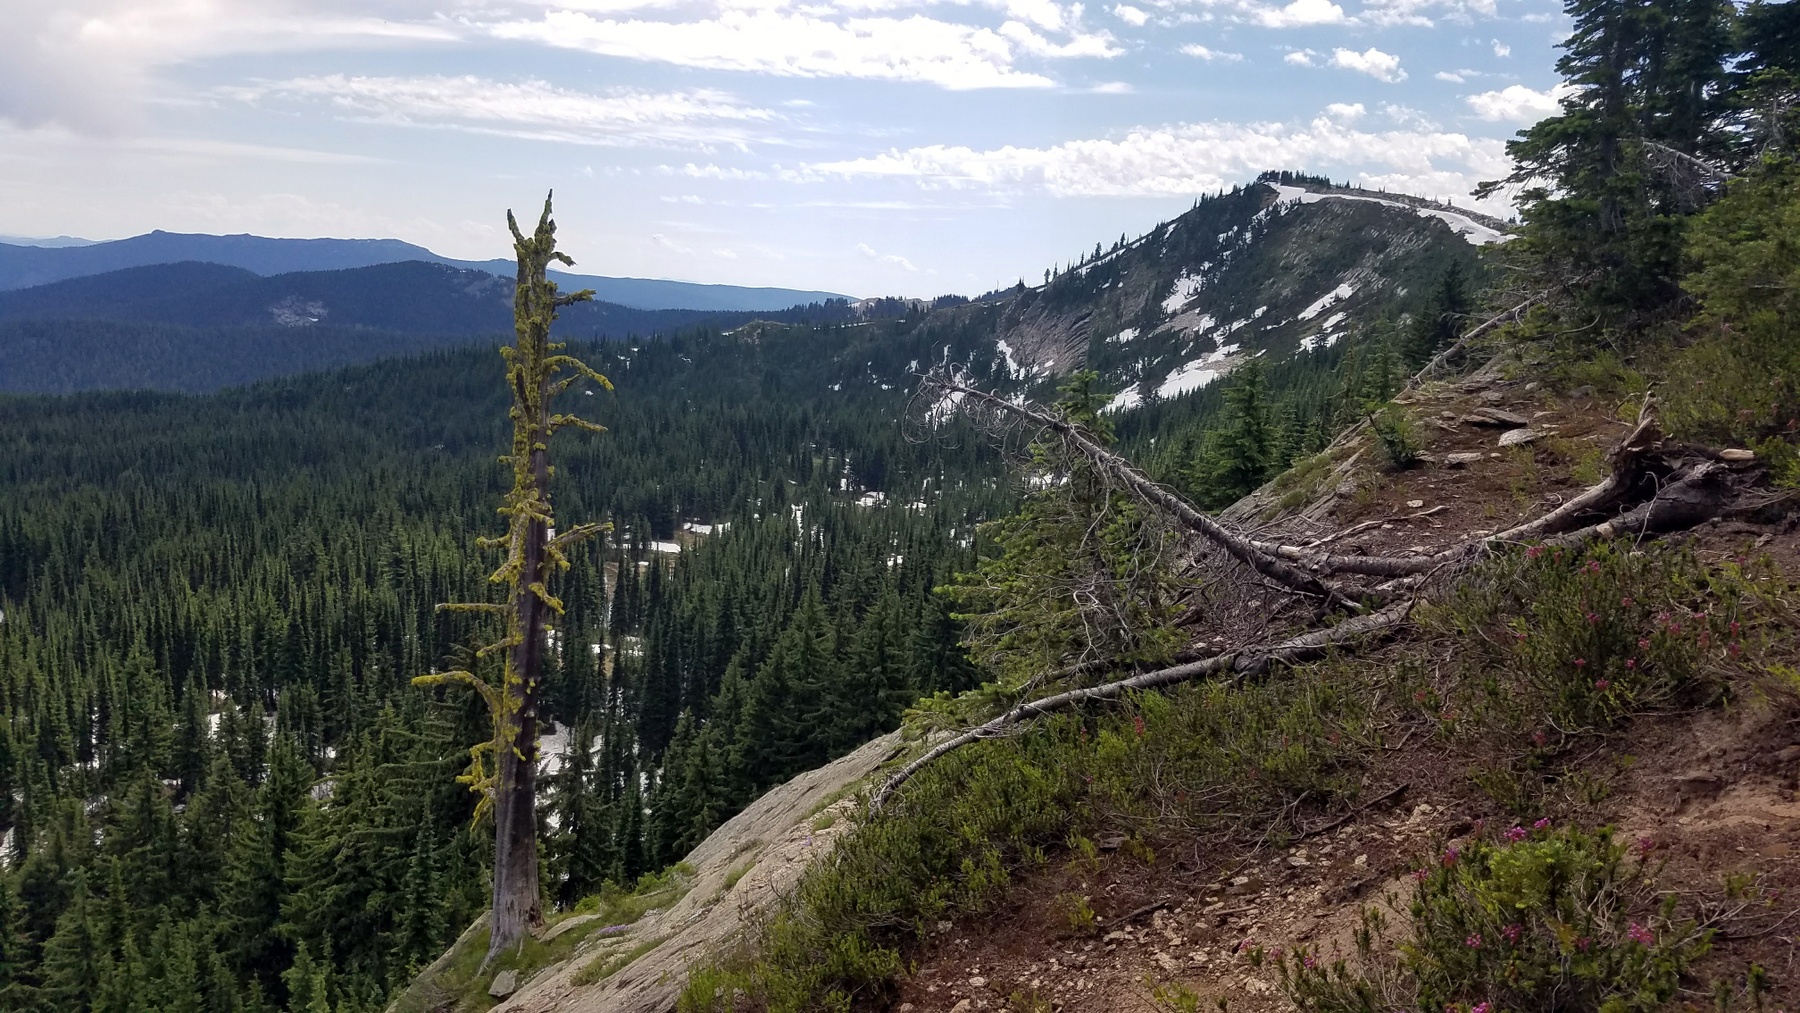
{"x": 1735, "y": 383}
{"x": 1587, "y": 637}
{"x": 1199, "y": 758}
{"x": 1531, "y": 919}
{"x": 1399, "y": 443}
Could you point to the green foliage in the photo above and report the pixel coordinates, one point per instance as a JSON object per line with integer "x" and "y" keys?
{"x": 1394, "y": 431}
{"x": 1173, "y": 764}
{"x": 1529, "y": 919}
{"x": 1587, "y": 638}
{"x": 1081, "y": 571}
{"x": 1734, "y": 382}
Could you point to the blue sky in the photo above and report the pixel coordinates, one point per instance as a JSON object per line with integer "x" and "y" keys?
{"x": 864, "y": 146}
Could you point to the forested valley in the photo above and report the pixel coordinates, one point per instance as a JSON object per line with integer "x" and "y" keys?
{"x": 219, "y": 790}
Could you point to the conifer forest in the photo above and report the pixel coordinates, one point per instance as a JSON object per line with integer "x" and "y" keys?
{"x": 249, "y": 763}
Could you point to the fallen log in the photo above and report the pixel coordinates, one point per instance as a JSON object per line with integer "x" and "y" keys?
{"x": 1242, "y": 664}
{"x": 1127, "y": 474}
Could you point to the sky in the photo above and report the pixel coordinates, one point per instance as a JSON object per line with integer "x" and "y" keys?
{"x": 868, "y": 147}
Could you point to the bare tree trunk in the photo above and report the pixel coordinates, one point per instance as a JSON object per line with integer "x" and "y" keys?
{"x": 518, "y": 908}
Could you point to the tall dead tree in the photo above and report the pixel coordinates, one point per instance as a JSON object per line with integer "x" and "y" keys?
{"x": 504, "y": 769}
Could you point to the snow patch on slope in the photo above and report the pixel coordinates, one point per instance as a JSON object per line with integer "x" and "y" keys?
{"x": 1187, "y": 379}
{"x": 1344, "y": 291}
{"x": 1471, "y": 230}
{"x": 1186, "y": 288}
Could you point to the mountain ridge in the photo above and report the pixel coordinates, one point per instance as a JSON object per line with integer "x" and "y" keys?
{"x": 25, "y": 265}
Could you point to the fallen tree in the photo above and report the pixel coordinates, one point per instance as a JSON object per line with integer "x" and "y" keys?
{"x": 1687, "y": 487}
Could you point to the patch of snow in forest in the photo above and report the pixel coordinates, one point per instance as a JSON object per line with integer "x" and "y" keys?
{"x": 1187, "y": 379}
{"x": 1471, "y": 230}
{"x": 1232, "y": 327}
{"x": 1333, "y": 320}
{"x": 1224, "y": 350}
{"x": 551, "y": 750}
{"x": 872, "y": 499}
{"x": 1344, "y": 291}
{"x": 1012, "y": 364}
{"x": 1260, "y": 310}
{"x": 1186, "y": 287}
{"x": 1123, "y": 336}
{"x": 1125, "y": 400}
{"x": 665, "y": 546}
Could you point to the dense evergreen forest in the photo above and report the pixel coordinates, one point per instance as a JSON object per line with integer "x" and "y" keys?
{"x": 218, "y": 789}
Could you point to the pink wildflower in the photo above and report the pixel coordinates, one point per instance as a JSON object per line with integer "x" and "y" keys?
{"x": 1734, "y": 627}
{"x": 1638, "y": 934}
{"x": 1602, "y": 684}
{"x": 1310, "y": 962}
{"x": 1580, "y": 662}
{"x": 1626, "y": 601}
{"x": 1631, "y": 663}
{"x": 1645, "y": 845}
{"x": 1513, "y": 932}
{"x": 1474, "y": 941}
{"x": 1543, "y": 824}
{"x": 1449, "y": 857}
{"x": 1420, "y": 875}
{"x": 1517, "y": 834}
{"x": 1481, "y": 1008}
{"x": 1593, "y": 566}
{"x": 1583, "y": 943}
{"x": 1643, "y": 643}
{"x": 1534, "y": 552}
{"x": 1539, "y": 738}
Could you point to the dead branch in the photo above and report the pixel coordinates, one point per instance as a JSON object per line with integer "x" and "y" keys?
{"x": 1127, "y": 474}
{"x": 1243, "y": 665}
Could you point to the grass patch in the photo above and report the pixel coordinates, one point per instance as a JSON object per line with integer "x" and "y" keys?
{"x": 732, "y": 877}
{"x": 654, "y": 890}
{"x": 606, "y": 965}
{"x": 458, "y": 983}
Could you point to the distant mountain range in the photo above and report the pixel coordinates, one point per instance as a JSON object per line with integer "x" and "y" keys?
{"x": 25, "y": 263}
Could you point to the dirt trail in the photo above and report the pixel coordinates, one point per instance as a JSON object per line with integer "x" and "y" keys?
{"x": 738, "y": 870}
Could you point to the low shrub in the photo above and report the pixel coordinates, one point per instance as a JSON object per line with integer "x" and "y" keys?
{"x": 1526, "y": 920}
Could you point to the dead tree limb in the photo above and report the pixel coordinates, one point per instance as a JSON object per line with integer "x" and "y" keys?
{"x": 1242, "y": 665}
{"x": 1127, "y": 474}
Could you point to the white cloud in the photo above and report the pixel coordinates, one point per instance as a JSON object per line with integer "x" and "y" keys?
{"x": 886, "y": 258}
{"x": 1516, "y": 103}
{"x": 1211, "y": 55}
{"x": 536, "y": 109}
{"x": 1444, "y": 75}
{"x": 1299, "y": 13}
{"x": 671, "y": 245}
{"x": 1300, "y": 57}
{"x": 1418, "y": 12}
{"x": 1501, "y": 49}
{"x": 1373, "y": 62}
{"x": 1130, "y": 15}
{"x": 803, "y": 43}
{"x": 1194, "y": 158}
{"x": 1113, "y": 88}
{"x": 1344, "y": 112}
{"x": 88, "y": 63}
